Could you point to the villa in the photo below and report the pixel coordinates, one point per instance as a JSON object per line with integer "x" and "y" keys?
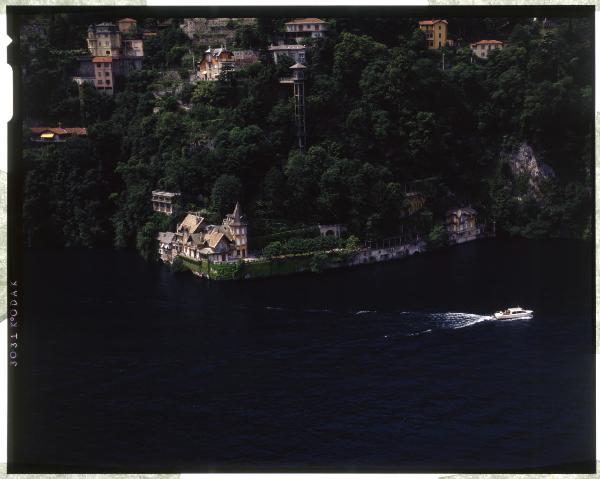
{"x": 461, "y": 225}
{"x": 197, "y": 240}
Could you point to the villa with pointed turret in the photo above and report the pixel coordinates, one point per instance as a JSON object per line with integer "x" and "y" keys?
{"x": 197, "y": 240}
{"x": 214, "y": 62}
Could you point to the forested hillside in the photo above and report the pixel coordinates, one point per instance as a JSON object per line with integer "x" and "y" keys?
{"x": 384, "y": 116}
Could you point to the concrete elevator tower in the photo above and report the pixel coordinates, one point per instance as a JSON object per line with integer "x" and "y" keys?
{"x": 299, "y": 111}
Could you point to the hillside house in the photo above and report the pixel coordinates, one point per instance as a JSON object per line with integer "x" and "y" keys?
{"x": 106, "y": 40}
{"x": 296, "y": 53}
{"x": 127, "y": 25}
{"x": 461, "y": 225}
{"x": 112, "y": 54}
{"x": 482, "y": 48}
{"x": 214, "y": 62}
{"x": 302, "y": 28}
{"x": 163, "y": 201}
{"x": 436, "y": 33}
{"x": 46, "y": 134}
{"x": 89, "y": 67}
{"x": 196, "y": 239}
{"x": 103, "y": 79}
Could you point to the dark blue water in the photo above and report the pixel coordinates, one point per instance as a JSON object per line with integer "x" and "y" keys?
{"x": 396, "y": 366}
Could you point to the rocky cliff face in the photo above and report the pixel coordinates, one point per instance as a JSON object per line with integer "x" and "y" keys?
{"x": 524, "y": 165}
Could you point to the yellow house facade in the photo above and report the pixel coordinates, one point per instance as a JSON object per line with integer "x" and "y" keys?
{"x": 436, "y": 32}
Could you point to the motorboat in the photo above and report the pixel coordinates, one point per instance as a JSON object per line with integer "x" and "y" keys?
{"x": 513, "y": 313}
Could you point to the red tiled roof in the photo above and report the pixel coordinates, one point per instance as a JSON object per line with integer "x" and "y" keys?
{"x": 38, "y": 130}
{"x": 488, "y": 42}
{"x": 101, "y": 59}
{"x": 306, "y": 20}
{"x": 432, "y": 22}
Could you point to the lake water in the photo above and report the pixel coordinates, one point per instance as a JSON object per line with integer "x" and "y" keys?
{"x": 390, "y": 367}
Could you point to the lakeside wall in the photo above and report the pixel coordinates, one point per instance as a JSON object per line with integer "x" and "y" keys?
{"x": 307, "y": 262}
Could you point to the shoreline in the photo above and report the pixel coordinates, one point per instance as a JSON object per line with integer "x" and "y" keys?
{"x": 313, "y": 262}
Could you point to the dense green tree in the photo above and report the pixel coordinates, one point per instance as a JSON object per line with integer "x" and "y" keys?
{"x": 352, "y": 52}
{"x": 66, "y": 196}
{"x": 382, "y": 118}
{"x": 437, "y": 237}
{"x": 247, "y": 37}
{"x": 167, "y": 48}
{"x": 225, "y": 192}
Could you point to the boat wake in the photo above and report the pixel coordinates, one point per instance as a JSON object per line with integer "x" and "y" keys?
{"x": 463, "y": 320}
{"x": 390, "y": 325}
{"x": 426, "y": 323}
{"x": 411, "y": 323}
{"x": 419, "y": 333}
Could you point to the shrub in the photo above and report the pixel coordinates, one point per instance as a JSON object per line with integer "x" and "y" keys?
{"x": 352, "y": 243}
{"x": 437, "y": 237}
{"x": 273, "y": 249}
{"x": 302, "y": 245}
{"x": 177, "y": 266}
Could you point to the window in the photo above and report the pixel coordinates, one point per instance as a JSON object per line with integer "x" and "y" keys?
{"x": 108, "y": 52}
{"x": 106, "y": 74}
{"x": 316, "y": 27}
{"x": 440, "y": 36}
{"x": 108, "y": 82}
{"x": 97, "y": 65}
{"x": 106, "y": 65}
{"x": 99, "y": 82}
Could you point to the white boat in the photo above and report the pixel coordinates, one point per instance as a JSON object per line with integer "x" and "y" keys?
{"x": 513, "y": 313}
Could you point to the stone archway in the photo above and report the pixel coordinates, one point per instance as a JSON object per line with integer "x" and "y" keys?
{"x": 335, "y": 230}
